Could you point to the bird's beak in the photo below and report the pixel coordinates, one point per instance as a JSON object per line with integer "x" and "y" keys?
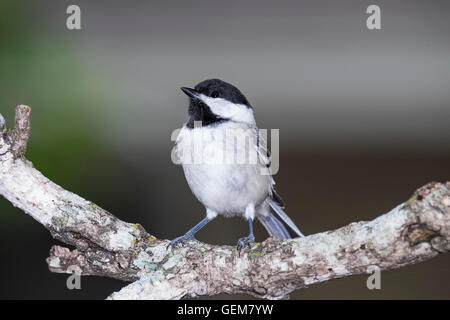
{"x": 191, "y": 93}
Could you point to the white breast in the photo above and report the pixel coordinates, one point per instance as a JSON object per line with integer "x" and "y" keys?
{"x": 221, "y": 166}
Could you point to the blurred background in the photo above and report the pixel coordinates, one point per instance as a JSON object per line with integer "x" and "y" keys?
{"x": 364, "y": 118}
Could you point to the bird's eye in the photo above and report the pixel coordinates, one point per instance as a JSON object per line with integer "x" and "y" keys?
{"x": 214, "y": 94}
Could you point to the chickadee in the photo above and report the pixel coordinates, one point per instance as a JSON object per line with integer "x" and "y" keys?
{"x": 246, "y": 189}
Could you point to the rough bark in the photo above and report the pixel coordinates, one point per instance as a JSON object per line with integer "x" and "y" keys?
{"x": 414, "y": 231}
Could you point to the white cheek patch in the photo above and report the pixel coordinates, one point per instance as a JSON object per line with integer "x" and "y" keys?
{"x": 228, "y": 110}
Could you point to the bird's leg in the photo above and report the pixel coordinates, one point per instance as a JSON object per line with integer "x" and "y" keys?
{"x": 242, "y": 242}
{"x": 250, "y": 215}
{"x": 189, "y": 236}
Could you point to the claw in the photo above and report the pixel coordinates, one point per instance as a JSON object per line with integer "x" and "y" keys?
{"x": 242, "y": 242}
{"x": 180, "y": 240}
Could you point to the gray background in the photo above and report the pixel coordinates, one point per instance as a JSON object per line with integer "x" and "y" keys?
{"x": 363, "y": 117}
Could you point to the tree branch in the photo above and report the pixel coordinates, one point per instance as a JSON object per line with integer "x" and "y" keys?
{"x": 414, "y": 231}
{"x": 21, "y": 133}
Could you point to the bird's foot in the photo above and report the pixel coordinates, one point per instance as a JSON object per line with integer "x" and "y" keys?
{"x": 180, "y": 240}
{"x": 242, "y": 242}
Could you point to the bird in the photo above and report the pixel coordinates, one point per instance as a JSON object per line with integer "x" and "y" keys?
{"x": 218, "y": 110}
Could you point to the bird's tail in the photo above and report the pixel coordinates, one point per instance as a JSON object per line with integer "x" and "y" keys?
{"x": 278, "y": 223}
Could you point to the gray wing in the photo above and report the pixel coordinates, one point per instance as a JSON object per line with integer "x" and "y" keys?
{"x": 265, "y": 162}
